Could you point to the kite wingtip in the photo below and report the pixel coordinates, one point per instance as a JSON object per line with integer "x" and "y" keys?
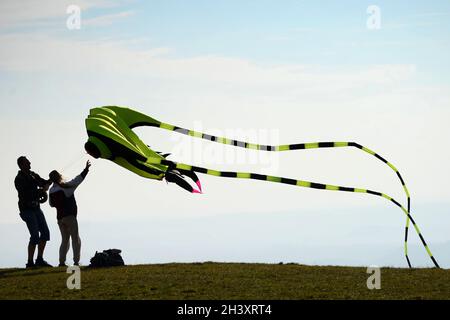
{"x": 199, "y": 185}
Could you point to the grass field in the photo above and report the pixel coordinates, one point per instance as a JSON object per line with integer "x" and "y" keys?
{"x": 225, "y": 281}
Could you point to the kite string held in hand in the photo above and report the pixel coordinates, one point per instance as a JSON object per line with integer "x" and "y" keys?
{"x": 77, "y": 159}
{"x": 298, "y": 146}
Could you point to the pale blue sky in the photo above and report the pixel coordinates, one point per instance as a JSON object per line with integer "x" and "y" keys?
{"x": 303, "y": 71}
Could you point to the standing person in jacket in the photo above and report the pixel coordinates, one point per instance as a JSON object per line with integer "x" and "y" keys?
{"x": 62, "y": 197}
{"x": 27, "y": 184}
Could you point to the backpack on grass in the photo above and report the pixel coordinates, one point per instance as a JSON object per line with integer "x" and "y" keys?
{"x": 107, "y": 258}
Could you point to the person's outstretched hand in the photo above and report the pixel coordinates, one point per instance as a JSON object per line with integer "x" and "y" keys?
{"x": 88, "y": 165}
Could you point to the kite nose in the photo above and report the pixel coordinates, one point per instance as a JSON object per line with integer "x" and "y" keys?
{"x": 92, "y": 149}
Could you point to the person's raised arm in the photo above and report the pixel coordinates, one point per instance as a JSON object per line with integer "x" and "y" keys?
{"x": 86, "y": 169}
{"x": 75, "y": 182}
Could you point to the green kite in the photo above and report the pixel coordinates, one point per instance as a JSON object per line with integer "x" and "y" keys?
{"x": 111, "y": 137}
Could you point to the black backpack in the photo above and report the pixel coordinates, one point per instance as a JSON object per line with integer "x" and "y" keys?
{"x": 107, "y": 258}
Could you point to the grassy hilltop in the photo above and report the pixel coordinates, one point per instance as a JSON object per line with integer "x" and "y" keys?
{"x": 225, "y": 281}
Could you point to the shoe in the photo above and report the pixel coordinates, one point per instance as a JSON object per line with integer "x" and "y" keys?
{"x": 42, "y": 263}
{"x": 30, "y": 265}
{"x": 62, "y": 265}
{"x": 76, "y": 264}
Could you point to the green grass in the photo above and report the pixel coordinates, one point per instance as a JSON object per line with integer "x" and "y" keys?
{"x": 225, "y": 281}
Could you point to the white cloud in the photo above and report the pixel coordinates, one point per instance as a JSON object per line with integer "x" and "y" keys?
{"x": 30, "y": 13}
{"x": 31, "y": 53}
{"x": 431, "y": 14}
{"x": 107, "y": 20}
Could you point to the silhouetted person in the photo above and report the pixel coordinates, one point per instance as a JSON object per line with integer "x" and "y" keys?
{"x": 27, "y": 184}
{"x": 62, "y": 197}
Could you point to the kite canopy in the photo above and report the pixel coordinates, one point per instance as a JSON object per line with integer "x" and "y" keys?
{"x": 111, "y": 137}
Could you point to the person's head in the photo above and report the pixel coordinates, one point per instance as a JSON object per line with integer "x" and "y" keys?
{"x": 55, "y": 177}
{"x": 92, "y": 149}
{"x": 23, "y": 163}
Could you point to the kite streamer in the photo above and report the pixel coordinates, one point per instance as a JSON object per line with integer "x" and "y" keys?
{"x": 110, "y": 131}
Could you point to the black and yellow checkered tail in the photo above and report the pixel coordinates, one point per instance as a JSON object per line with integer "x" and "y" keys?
{"x": 306, "y": 184}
